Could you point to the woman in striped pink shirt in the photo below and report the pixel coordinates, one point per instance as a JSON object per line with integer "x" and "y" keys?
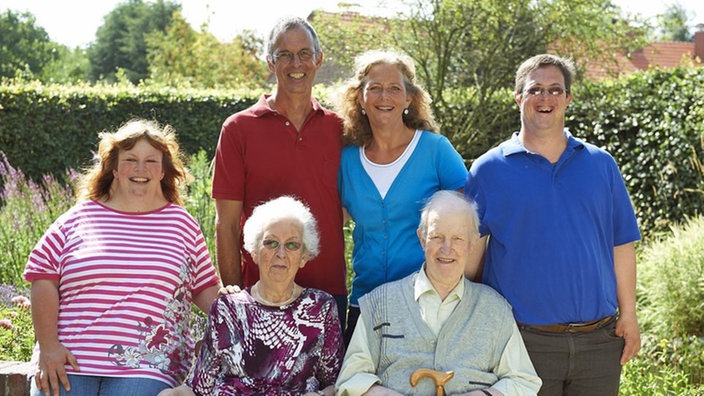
{"x": 114, "y": 278}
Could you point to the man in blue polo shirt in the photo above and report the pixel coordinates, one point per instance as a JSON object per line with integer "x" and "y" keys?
{"x": 558, "y": 232}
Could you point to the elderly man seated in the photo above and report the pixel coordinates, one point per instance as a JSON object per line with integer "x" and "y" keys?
{"x": 436, "y": 320}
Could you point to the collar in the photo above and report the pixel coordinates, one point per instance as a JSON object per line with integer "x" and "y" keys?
{"x": 514, "y": 145}
{"x": 422, "y": 285}
{"x": 261, "y": 108}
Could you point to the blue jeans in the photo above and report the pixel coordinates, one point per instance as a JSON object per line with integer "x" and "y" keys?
{"x": 88, "y": 385}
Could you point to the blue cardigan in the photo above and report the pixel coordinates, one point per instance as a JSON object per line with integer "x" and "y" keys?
{"x": 386, "y": 247}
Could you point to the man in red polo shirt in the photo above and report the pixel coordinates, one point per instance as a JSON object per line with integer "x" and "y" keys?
{"x": 285, "y": 144}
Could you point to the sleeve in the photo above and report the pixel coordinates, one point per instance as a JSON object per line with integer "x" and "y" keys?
{"x": 515, "y": 369}
{"x": 358, "y": 372}
{"x": 625, "y": 222}
{"x": 207, "y": 366}
{"x": 451, "y": 169}
{"x": 204, "y": 274}
{"x": 45, "y": 258}
{"x": 331, "y": 356}
{"x": 229, "y": 170}
{"x": 472, "y": 190}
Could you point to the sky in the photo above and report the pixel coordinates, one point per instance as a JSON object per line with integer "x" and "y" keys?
{"x": 74, "y": 22}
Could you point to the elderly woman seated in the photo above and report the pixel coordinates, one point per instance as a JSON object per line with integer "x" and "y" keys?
{"x": 275, "y": 338}
{"x": 435, "y": 321}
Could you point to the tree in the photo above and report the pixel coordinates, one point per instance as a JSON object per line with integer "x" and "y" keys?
{"x": 183, "y": 56}
{"x": 24, "y": 47}
{"x": 121, "y": 40}
{"x": 673, "y": 24}
{"x": 466, "y": 52}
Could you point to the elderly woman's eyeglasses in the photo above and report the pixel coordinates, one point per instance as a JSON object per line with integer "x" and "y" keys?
{"x": 291, "y": 246}
{"x": 552, "y": 91}
{"x": 285, "y": 57}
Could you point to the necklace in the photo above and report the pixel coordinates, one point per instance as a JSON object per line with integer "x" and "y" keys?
{"x": 258, "y": 296}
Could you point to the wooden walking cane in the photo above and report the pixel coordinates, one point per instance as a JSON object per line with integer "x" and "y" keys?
{"x": 438, "y": 377}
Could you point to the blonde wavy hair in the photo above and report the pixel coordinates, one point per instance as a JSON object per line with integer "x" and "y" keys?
{"x": 356, "y": 125}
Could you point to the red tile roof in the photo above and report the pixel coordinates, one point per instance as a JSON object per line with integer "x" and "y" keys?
{"x": 666, "y": 54}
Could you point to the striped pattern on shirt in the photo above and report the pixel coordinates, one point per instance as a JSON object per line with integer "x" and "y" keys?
{"x": 126, "y": 283}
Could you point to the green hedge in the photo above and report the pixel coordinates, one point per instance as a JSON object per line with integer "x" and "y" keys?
{"x": 651, "y": 122}
{"x": 48, "y": 129}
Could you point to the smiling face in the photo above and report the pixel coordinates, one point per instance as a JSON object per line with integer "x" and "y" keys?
{"x": 447, "y": 243}
{"x": 293, "y": 74}
{"x": 383, "y": 96}
{"x": 543, "y": 112}
{"x": 139, "y": 171}
{"x": 280, "y": 253}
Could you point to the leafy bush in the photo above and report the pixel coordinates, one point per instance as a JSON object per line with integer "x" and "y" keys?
{"x": 671, "y": 282}
{"x": 198, "y": 202}
{"x": 16, "y": 332}
{"x": 664, "y": 367}
{"x": 652, "y": 123}
{"x": 28, "y": 209}
{"x": 50, "y": 128}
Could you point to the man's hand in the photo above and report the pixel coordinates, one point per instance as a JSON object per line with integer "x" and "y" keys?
{"x": 627, "y": 327}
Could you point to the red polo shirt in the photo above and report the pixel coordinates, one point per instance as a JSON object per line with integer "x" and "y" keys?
{"x": 261, "y": 156}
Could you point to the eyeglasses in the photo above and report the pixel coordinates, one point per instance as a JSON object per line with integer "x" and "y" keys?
{"x": 285, "y": 57}
{"x": 291, "y": 246}
{"x": 552, "y": 91}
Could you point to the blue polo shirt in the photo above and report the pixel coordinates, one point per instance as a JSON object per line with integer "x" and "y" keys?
{"x": 552, "y": 229}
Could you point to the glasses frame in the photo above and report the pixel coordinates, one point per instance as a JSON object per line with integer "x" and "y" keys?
{"x": 290, "y": 246}
{"x": 285, "y": 57}
{"x": 540, "y": 91}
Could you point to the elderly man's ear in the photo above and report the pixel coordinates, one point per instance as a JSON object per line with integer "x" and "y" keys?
{"x": 421, "y": 238}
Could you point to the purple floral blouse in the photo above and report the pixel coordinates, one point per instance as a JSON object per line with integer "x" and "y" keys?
{"x": 254, "y": 349}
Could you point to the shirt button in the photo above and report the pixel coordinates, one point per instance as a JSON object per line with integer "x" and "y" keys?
{"x": 288, "y": 123}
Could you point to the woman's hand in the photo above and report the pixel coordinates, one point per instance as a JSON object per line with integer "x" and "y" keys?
{"x": 52, "y": 359}
{"x": 182, "y": 390}
{"x": 229, "y": 289}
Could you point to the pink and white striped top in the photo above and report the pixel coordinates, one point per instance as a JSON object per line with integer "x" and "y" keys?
{"x": 126, "y": 284}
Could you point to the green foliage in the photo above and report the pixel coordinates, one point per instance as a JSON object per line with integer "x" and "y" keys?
{"x": 671, "y": 282}
{"x": 665, "y": 367}
{"x": 24, "y": 47}
{"x": 652, "y": 123}
{"x": 120, "y": 42}
{"x": 198, "y": 203}
{"x": 28, "y": 209}
{"x": 16, "y": 331}
{"x": 183, "y": 56}
{"x": 70, "y": 67}
{"x": 674, "y": 24}
{"x": 49, "y": 128}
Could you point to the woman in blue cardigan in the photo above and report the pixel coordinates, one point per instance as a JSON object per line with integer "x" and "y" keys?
{"x": 393, "y": 162}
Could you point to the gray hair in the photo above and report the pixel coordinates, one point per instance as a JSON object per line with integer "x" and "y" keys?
{"x": 449, "y": 200}
{"x": 277, "y": 209}
{"x": 566, "y": 66}
{"x": 285, "y": 24}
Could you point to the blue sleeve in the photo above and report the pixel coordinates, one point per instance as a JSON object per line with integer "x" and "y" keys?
{"x": 452, "y": 172}
{"x": 473, "y": 191}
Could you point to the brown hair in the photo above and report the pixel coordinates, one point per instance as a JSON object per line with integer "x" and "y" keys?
{"x": 96, "y": 181}
{"x": 356, "y": 126}
{"x": 543, "y": 60}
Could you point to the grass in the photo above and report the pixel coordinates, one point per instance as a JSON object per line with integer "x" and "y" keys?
{"x": 670, "y": 288}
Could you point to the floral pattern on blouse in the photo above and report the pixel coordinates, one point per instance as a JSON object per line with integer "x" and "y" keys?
{"x": 254, "y": 349}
